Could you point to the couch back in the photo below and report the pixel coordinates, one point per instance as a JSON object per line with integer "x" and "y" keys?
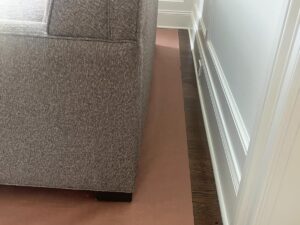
{"x": 103, "y": 19}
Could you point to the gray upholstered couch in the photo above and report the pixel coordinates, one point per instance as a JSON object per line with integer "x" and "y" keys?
{"x": 73, "y": 91}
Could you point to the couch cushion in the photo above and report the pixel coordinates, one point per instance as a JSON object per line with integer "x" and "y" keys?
{"x": 69, "y": 113}
{"x": 124, "y": 19}
{"x": 103, "y": 19}
{"x": 79, "y": 18}
{"x": 23, "y": 10}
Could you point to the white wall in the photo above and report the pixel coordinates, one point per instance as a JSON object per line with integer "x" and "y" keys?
{"x": 245, "y": 35}
{"x": 238, "y": 42}
{"x": 242, "y": 40}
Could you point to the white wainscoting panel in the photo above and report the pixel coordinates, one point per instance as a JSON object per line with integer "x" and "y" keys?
{"x": 228, "y": 138}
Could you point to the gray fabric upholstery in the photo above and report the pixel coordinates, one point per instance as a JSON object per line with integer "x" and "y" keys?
{"x": 71, "y": 108}
{"x": 146, "y": 38}
{"x": 104, "y": 19}
{"x": 79, "y": 18}
{"x": 123, "y": 19}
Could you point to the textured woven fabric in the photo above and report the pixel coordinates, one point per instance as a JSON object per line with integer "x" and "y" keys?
{"x": 123, "y": 19}
{"x": 146, "y": 37}
{"x": 105, "y": 19}
{"x": 71, "y": 109}
{"x": 79, "y": 18}
{"x": 68, "y": 113}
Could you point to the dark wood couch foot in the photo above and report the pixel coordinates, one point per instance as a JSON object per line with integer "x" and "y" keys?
{"x": 114, "y": 196}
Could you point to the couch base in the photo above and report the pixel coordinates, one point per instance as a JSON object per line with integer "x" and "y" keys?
{"x": 114, "y": 196}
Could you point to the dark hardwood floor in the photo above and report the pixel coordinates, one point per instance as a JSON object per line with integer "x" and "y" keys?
{"x": 205, "y": 199}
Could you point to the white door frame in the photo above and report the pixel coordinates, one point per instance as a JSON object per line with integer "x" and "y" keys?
{"x": 270, "y": 147}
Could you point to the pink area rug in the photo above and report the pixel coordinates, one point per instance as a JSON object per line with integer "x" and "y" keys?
{"x": 163, "y": 195}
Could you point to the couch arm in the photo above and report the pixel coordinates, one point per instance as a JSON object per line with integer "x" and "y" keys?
{"x": 102, "y": 19}
{"x": 146, "y": 40}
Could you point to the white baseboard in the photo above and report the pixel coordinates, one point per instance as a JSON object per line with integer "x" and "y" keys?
{"x": 174, "y": 19}
{"x": 221, "y": 195}
{"x": 212, "y": 143}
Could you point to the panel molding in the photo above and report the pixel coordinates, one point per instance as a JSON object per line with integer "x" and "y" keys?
{"x": 221, "y": 121}
{"x": 197, "y": 22}
{"x": 235, "y": 113}
{"x": 239, "y": 126}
